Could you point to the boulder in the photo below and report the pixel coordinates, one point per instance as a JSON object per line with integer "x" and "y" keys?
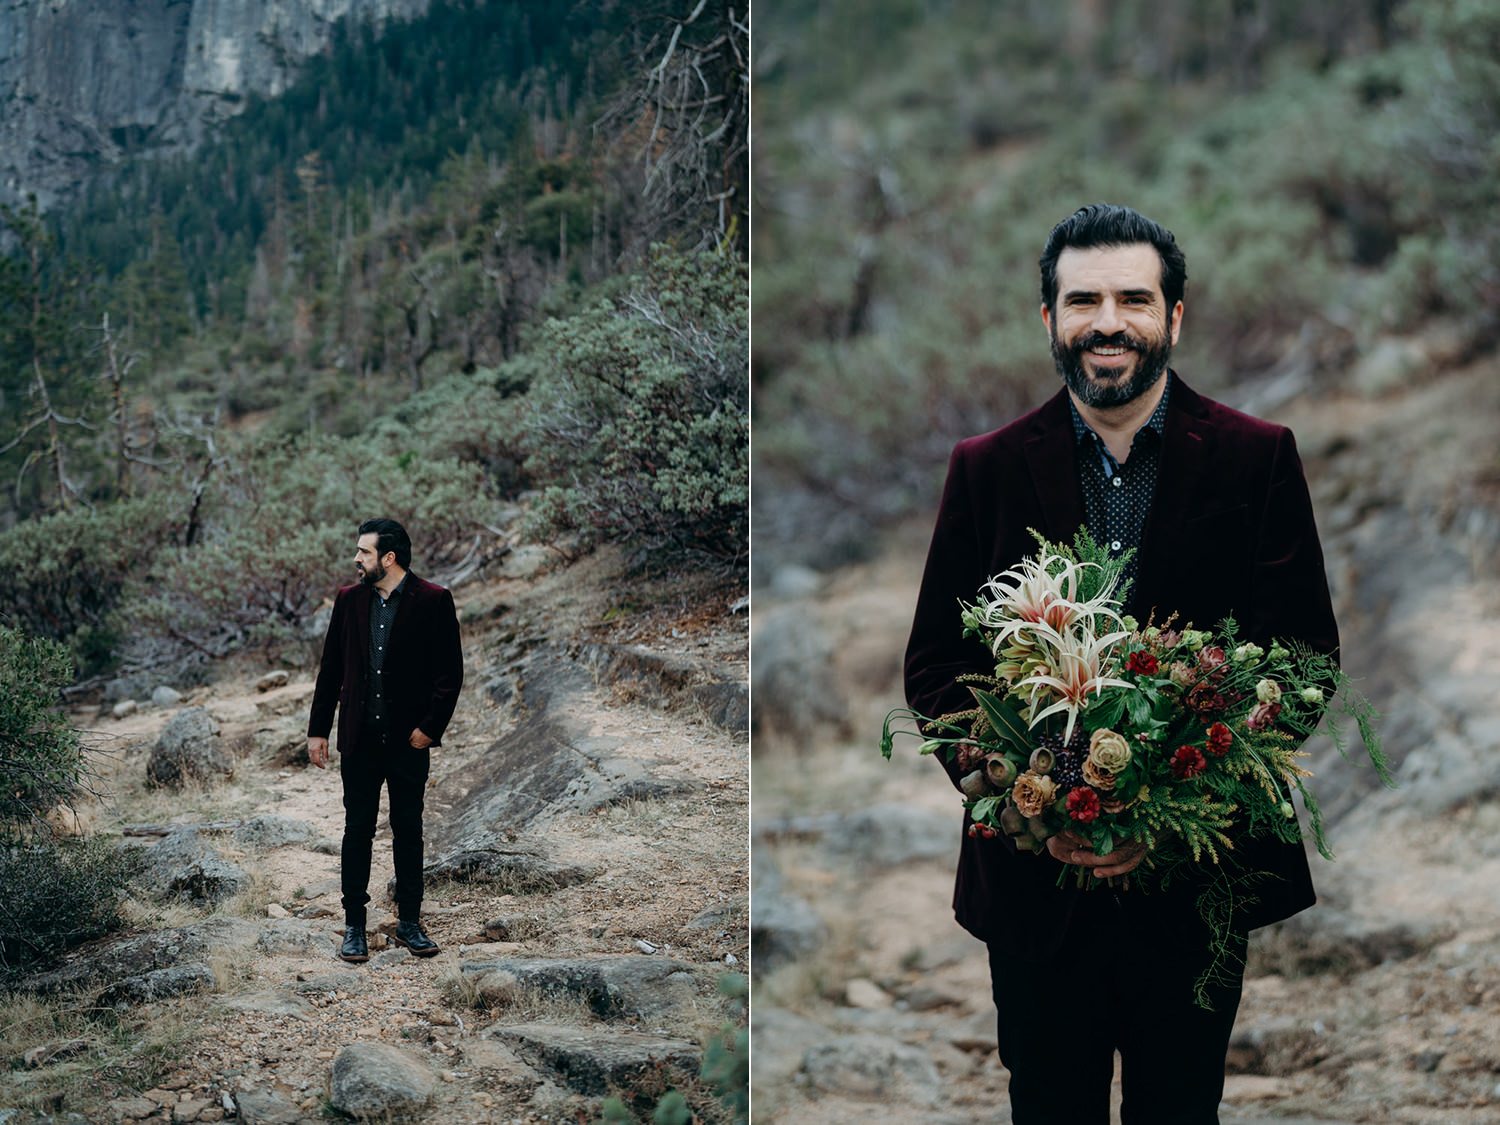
{"x": 158, "y": 984}
{"x": 188, "y": 749}
{"x": 872, "y": 1066}
{"x": 164, "y": 696}
{"x": 186, "y": 865}
{"x": 595, "y": 1062}
{"x": 615, "y": 987}
{"x": 374, "y": 1080}
{"x": 272, "y": 830}
{"x": 115, "y": 960}
{"x": 272, "y": 680}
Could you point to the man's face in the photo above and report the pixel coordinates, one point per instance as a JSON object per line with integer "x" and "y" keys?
{"x": 1112, "y": 333}
{"x": 369, "y": 565}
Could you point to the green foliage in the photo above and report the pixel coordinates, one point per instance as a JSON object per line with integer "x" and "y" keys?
{"x": 726, "y": 1062}
{"x": 63, "y": 576}
{"x": 1328, "y": 181}
{"x": 58, "y": 894}
{"x": 41, "y": 756}
{"x": 638, "y": 428}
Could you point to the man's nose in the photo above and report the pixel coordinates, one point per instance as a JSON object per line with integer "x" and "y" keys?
{"x": 1108, "y": 320}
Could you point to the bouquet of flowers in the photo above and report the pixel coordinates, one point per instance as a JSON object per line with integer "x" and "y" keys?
{"x": 1176, "y": 738}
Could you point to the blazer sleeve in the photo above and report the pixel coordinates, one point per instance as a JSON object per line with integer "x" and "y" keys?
{"x": 937, "y": 653}
{"x": 446, "y": 652}
{"x": 1289, "y": 585}
{"x": 330, "y": 680}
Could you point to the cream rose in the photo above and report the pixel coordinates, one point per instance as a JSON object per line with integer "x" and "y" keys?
{"x": 1268, "y": 691}
{"x": 1108, "y": 751}
{"x": 1312, "y": 695}
{"x": 1032, "y": 793}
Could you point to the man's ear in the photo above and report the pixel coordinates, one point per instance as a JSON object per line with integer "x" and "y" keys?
{"x": 1175, "y": 328}
{"x": 1047, "y": 319}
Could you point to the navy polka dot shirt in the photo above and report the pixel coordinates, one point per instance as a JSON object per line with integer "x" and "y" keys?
{"x": 1116, "y": 497}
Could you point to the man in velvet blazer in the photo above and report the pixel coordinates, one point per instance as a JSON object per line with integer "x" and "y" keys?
{"x": 1225, "y": 530}
{"x": 392, "y": 665}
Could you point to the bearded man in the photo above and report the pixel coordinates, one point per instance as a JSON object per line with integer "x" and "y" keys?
{"x": 1215, "y": 505}
{"x": 393, "y": 666}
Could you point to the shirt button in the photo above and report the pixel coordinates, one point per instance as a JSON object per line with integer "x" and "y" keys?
{"x": 1115, "y": 546}
{"x": 1118, "y": 481}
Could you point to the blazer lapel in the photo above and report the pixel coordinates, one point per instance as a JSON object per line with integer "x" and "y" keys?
{"x": 362, "y": 623}
{"x": 1180, "y": 478}
{"x": 1052, "y": 457}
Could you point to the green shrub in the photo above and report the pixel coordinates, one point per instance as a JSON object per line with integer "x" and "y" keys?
{"x": 62, "y": 576}
{"x": 58, "y": 894}
{"x": 638, "y": 428}
{"x": 41, "y": 756}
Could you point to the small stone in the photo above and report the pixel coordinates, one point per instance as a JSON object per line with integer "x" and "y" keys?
{"x": 645, "y": 946}
{"x": 125, "y": 708}
{"x": 866, "y": 994}
{"x": 165, "y": 696}
{"x": 212, "y": 1113}
{"x": 731, "y": 959}
{"x": 190, "y": 1110}
{"x": 449, "y": 1076}
{"x": 161, "y": 1097}
{"x": 136, "y": 1106}
{"x": 271, "y": 680}
{"x": 276, "y": 910}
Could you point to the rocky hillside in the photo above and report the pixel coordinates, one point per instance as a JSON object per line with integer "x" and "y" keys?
{"x": 1378, "y": 1005}
{"x": 586, "y": 879}
{"x": 82, "y": 84}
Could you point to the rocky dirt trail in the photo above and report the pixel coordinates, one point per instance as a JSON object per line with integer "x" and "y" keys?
{"x": 1382, "y": 1004}
{"x": 587, "y": 881}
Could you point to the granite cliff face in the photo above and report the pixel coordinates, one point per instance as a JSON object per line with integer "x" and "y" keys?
{"x": 84, "y": 81}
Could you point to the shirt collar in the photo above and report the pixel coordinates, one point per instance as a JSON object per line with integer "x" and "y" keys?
{"x": 399, "y": 586}
{"x": 1157, "y": 423}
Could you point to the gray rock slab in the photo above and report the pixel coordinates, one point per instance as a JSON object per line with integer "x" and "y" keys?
{"x": 166, "y": 696}
{"x": 266, "y": 1107}
{"x": 872, "y": 1066}
{"x": 781, "y": 1040}
{"x": 375, "y": 1080}
{"x": 613, "y": 987}
{"x": 271, "y": 1002}
{"x": 175, "y": 980}
{"x": 331, "y": 982}
{"x": 118, "y": 959}
{"x": 887, "y": 834}
{"x": 293, "y": 936}
{"x": 514, "y": 866}
{"x": 672, "y": 680}
{"x": 783, "y": 928}
{"x": 185, "y": 864}
{"x": 189, "y": 749}
{"x": 272, "y": 830}
{"x": 593, "y": 1062}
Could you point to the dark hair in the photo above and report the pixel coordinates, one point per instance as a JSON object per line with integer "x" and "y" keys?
{"x": 1107, "y": 224}
{"x": 389, "y": 536}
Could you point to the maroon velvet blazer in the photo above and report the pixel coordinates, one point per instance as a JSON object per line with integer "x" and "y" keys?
{"x": 1230, "y": 533}
{"x": 424, "y": 666}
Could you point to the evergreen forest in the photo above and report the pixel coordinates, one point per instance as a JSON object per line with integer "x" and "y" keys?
{"x": 488, "y": 261}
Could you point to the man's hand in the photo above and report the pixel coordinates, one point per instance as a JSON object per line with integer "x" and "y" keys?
{"x": 317, "y": 752}
{"x": 418, "y": 740}
{"x": 1070, "y": 847}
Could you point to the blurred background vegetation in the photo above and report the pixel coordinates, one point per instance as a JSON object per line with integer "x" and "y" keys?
{"x": 484, "y": 271}
{"x": 1331, "y": 169}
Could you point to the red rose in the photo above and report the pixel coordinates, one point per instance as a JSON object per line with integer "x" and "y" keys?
{"x": 1083, "y": 805}
{"x": 1218, "y": 739}
{"x": 1187, "y": 762}
{"x": 1141, "y": 662}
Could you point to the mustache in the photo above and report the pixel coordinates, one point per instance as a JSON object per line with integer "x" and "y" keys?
{"x": 1099, "y": 340}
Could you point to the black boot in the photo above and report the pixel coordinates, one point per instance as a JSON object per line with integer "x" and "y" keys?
{"x": 355, "y": 947}
{"x": 410, "y": 934}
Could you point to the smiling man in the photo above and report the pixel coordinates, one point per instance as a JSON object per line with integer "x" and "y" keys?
{"x": 1215, "y": 505}
{"x": 392, "y": 666}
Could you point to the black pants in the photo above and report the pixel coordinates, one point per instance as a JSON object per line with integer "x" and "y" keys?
{"x": 1121, "y": 979}
{"x": 383, "y": 759}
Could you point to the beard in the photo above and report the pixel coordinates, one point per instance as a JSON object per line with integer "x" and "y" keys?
{"x": 370, "y": 577}
{"x": 1150, "y": 365}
